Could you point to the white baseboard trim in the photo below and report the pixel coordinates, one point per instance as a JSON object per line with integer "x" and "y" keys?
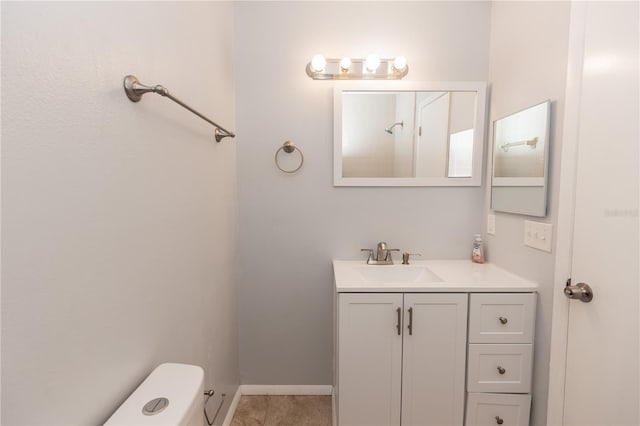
{"x": 276, "y": 390}
{"x": 286, "y": 389}
{"x": 334, "y": 414}
{"x": 232, "y": 408}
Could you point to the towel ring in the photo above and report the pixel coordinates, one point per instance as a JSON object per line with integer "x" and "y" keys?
{"x": 288, "y": 147}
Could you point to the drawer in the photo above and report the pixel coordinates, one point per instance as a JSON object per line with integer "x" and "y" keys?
{"x": 499, "y": 368}
{"x": 497, "y": 409}
{"x": 502, "y": 318}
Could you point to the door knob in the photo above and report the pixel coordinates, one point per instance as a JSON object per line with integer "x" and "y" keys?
{"x": 580, "y": 291}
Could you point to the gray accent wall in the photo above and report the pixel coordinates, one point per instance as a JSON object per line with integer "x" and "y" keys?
{"x": 529, "y": 46}
{"x": 292, "y": 225}
{"x": 118, "y": 219}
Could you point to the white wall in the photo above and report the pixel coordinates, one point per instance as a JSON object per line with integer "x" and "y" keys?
{"x": 291, "y": 226}
{"x": 529, "y": 45}
{"x": 367, "y": 150}
{"x": 119, "y": 219}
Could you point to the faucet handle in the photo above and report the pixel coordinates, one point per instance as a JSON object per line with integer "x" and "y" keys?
{"x": 370, "y": 254}
{"x": 405, "y": 257}
{"x": 388, "y": 256}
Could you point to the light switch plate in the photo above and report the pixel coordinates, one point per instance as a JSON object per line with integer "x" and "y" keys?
{"x": 491, "y": 224}
{"x": 538, "y": 235}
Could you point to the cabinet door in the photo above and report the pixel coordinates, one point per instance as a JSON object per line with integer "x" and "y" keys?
{"x": 433, "y": 371}
{"x": 369, "y": 358}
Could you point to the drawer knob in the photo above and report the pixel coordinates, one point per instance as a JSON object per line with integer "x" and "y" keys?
{"x": 503, "y": 320}
{"x": 501, "y": 371}
{"x": 499, "y": 420}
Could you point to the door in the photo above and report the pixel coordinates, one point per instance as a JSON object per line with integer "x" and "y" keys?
{"x": 434, "y": 351}
{"x": 369, "y": 358}
{"x": 602, "y": 344}
{"x": 433, "y": 136}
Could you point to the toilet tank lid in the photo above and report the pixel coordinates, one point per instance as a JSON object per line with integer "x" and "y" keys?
{"x": 181, "y": 384}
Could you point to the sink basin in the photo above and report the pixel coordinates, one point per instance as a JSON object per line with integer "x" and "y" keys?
{"x": 397, "y": 274}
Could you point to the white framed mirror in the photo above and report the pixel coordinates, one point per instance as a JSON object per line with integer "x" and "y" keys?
{"x": 520, "y": 161}
{"x": 409, "y": 133}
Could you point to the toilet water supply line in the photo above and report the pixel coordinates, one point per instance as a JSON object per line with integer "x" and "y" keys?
{"x": 209, "y": 393}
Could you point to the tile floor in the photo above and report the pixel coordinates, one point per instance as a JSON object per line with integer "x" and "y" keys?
{"x": 283, "y": 410}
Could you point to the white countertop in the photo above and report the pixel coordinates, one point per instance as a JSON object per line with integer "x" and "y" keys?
{"x": 453, "y": 276}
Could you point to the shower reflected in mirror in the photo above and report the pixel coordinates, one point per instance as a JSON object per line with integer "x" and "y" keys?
{"x": 390, "y": 128}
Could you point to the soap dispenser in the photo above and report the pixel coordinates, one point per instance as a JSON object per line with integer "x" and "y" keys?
{"x": 477, "y": 254}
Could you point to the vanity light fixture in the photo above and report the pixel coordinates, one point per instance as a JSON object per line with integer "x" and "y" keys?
{"x": 372, "y": 62}
{"x": 318, "y": 62}
{"x": 346, "y": 68}
{"x": 400, "y": 63}
{"x": 345, "y": 64}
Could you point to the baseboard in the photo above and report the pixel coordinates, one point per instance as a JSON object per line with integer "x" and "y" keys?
{"x": 286, "y": 389}
{"x": 334, "y": 416}
{"x": 232, "y": 408}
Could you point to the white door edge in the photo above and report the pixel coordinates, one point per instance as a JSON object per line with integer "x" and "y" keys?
{"x": 566, "y": 211}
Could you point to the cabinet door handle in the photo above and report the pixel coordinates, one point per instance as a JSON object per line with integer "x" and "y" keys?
{"x": 399, "y": 312}
{"x": 503, "y": 320}
{"x": 501, "y": 370}
{"x": 499, "y": 420}
{"x": 410, "y": 326}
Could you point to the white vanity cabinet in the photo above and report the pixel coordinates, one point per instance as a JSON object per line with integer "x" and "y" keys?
{"x": 401, "y": 356}
{"x": 446, "y": 343}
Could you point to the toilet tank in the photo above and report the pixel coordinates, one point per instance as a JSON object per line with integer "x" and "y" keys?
{"x": 172, "y": 395}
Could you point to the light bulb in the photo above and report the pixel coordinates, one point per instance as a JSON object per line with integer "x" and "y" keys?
{"x": 400, "y": 63}
{"x": 372, "y": 62}
{"x": 345, "y": 63}
{"x": 318, "y": 62}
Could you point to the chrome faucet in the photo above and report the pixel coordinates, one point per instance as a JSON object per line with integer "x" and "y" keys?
{"x": 382, "y": 251}
{"x": 382, "y": 256}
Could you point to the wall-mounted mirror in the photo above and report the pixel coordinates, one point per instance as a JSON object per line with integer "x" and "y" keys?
{"x": 520, "y": 161}
{"x": 409, "y": 134}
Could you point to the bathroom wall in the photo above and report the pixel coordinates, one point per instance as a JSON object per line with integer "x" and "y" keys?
{"x": 528, "y": 65}
{"x": 291, "y": 226}
{"x": 119, "y": 219}
{"x": 367, "y": 151}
